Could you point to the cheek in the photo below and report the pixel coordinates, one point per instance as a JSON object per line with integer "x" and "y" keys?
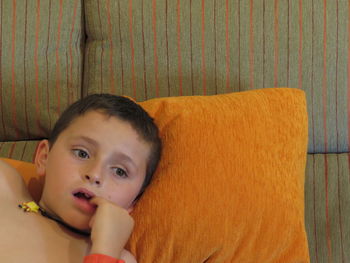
{"x": 122, "y": 198}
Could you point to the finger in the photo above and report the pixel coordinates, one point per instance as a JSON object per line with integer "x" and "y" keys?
{"x": 97, "y": 200}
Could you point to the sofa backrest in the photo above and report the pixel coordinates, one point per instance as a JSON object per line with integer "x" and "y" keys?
{"x": 147, "y": 49}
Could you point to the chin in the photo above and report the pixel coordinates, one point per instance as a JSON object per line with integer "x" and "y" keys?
{"x": 79, "y": 222}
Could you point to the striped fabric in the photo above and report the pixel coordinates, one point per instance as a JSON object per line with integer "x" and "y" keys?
{"x": 40, "y": 64}
{"x": 327, "y": 207}
{"x": 19, "y": 150}
{"x": 147, "y": 49}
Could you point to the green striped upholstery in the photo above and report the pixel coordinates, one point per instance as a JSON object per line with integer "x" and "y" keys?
{"x": 19, "y": 150}
{"x": 327, "y": 207}
{"x": 146, "y": 49}
{"x": 40, "y": 64}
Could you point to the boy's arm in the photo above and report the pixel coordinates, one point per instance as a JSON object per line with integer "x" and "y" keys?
{"x": 111, "y": 227}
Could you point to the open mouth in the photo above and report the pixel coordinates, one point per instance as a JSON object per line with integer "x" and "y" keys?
{"x": 83, "y": 194}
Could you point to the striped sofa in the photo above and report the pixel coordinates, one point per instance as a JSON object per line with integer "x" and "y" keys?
{"x": 53, "y": 52}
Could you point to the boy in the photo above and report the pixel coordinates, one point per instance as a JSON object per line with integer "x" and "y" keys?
{"x": 100, "y": 157}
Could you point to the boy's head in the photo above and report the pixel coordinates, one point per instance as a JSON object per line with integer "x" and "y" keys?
{"x": 123, "y": 109}
{"x": 103, "y": 146}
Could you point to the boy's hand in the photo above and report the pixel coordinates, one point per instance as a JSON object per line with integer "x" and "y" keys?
{"x": 111, "y": 227}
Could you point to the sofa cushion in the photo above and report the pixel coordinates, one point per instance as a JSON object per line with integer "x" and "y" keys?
{"x": 19, "y": 150}
{"x": 147, "y": 49}
{"x": 327, "y": 207}
{"x": 40, "y": 65}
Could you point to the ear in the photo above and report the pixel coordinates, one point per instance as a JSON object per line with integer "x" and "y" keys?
{"x": 41, "y": 157}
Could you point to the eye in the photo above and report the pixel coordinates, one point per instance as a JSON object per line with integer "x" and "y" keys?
{"x": 81, "y": 153}
{"x": 120, "y": 172}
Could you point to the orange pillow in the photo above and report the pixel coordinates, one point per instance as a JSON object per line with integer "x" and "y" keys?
{"x": 230, "y": 185}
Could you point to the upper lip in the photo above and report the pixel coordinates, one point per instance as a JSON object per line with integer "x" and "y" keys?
{"x": 84, "y": 191}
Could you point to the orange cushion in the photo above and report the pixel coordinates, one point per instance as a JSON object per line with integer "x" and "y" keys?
{"x": 32, "y": 180}
{"x": 230, "y": 185}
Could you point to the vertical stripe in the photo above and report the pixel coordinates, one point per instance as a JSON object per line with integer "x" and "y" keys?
{"x": 47, "y": 66}
{"x": 167, "y": 45}
{"x": 239, "y": 45}
{"x": 324, "y": 86}
{"x": 70, "y": 88}
{"x": 179, "y": 46}
{"x": 251, "y": 47}
{"x": 24, "y": 68}
{"x": 276, "y": 44}
{"x": 192, "y": 82}
{"x": 24, "y": 149}
{"x": 328, "y": 227}
{"x": 312, "y": 78}
{"x": 58, "y": 77}
{"x": 13, "y": 49}
{"x": 111, "y": 71}
{"x": 348, "y": 77}
{"x": 144, "y": 52}
{"x": 264, "y": 49}
{"x": 12, "y": 148}
{"x": 215, "y": 58}
{"x": 336, "y": 76}
{"x": 227, "y": 47}
{"x": 288, "y": 42}
{"x": 1, "y": 96}
{"x": 102, "y": 48}
{"x": 154, "y": 28}
{"x": 121, "y": 48}
{"x": 339, "y": 206}
{"x": 132, "y": 50}
{"x": 203, "y": 49}
{"x": 300, "y": 44}
{"x": 314, "y": 208}
{"x": 37, "y": 95}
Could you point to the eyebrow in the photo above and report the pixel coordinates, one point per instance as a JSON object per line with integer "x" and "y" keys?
{"x": 119, "y": 155}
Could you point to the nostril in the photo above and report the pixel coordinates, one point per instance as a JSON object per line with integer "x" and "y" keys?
{"x": 87, "y": 177}
{"x": 97, "y": 182}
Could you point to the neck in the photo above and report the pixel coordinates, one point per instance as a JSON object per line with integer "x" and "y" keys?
{"x": 46, "y": 213}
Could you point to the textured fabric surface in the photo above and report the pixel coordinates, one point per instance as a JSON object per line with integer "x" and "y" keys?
{"x": 327, "y": 207}
{"x": 19, "y": 150}
{"x": 230, "y": 185}
{"x": 146, "y": 49}
{"x": 40, "y": 64}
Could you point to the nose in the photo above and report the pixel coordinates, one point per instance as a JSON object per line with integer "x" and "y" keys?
{"x": 93, "y": 179}
{"x": 93, "y": 173}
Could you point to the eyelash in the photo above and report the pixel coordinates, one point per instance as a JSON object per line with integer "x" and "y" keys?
{"x": 124, "y": 175}
{"x": 78, "y": 152}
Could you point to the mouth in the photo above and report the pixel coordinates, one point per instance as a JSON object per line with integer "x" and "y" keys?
{"x": 83, "y": 194}
{"x": 82, "y": 199}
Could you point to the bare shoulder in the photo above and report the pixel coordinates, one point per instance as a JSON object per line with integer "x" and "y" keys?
{"x": 11, "y": 182}
{"x": 128, "y": 257}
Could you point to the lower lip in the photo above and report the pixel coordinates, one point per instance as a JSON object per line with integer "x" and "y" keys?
{"x": 84, "y": 205}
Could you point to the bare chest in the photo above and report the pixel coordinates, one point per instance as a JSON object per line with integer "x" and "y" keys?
{"x": 28, "y": 237}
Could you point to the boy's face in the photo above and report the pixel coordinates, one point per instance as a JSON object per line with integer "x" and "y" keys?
{"x": 95, "y": 155}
